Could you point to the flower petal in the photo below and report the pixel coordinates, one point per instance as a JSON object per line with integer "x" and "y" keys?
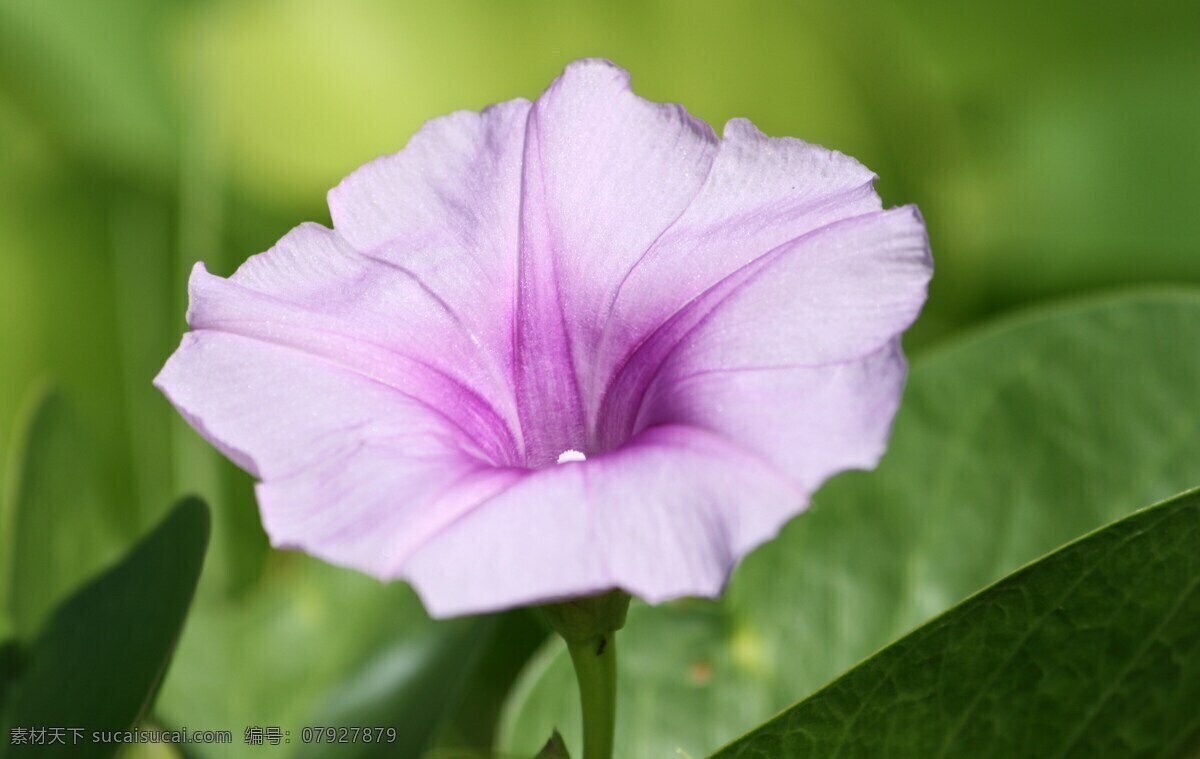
{"x": 352, "y": 471}
{"x": 314, "y": 293}
{"x": 276, "y": 411}
{"x": 453, "y": 192}
{"x": 811, "y": 422}
{"x": 444, "y": 212}
{"x": 817, "y": 318}
{"x": 372, "y": 507}
{"x": 656, "y": 518}
{"x": 605, "y": 173}
{"x": 762, "y": 192}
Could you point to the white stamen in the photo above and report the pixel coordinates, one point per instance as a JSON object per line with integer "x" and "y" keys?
{"x": 571, "y": 455}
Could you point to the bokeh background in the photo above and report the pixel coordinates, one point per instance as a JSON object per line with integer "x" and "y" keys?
{"x": 1054, "y": 149}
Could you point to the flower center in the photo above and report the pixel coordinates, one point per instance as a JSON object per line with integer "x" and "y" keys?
{"x": 570, "y": 455}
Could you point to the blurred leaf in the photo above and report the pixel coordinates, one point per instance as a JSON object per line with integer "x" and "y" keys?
{"x": 1091, "y": 651}
{"x": 57, "y": 309}
{"x": 314, "y": 645}
{"x": 21, "y": 271}
{"x": 515, "y": 637}
{"x": 99, "y": 660}
{"x": 140, "y": 257}
{"x": 12, "y": 661}
{"x": 410, "y": 686}
{"x": 1008, "y": 444}
{"x": 151, "y": 750}
{"x": 55, "y": 528}
{"x": 555, "y": 748}
{"x": 272, "y": 656}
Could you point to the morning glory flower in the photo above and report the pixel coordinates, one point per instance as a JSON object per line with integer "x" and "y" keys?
{"x": 560, "y": 347}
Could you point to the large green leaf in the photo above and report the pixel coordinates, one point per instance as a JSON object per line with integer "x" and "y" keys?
{"x": 1008, "y": 444}
{"x": 1091, "y": 651}
{"x": 98, "y": 662}
{"x": 54, "y": 528}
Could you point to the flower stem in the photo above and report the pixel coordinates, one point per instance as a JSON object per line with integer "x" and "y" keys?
{"x": 589, "y": 626}
{"x": 595, "y": 663}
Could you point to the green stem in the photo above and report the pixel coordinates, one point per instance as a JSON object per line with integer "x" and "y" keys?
{"x": 595, "y": 662}
{"x": 589, "y": 626}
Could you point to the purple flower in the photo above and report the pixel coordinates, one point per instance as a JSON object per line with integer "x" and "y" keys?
{"x": 714, "y": 323}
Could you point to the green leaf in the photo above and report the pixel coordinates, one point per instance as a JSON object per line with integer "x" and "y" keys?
{"x": 315, "y": 645}
{"x": 99, "y": 661}
{"x": 1008, "y": 444}
{"x": 55, "y": 529}
{"x": 1091, "y": 651}
{"x": 271, "y": 656}
{"x": 516, "y": 636}
{"x": 408, "y": 686}
{"x": 12, "y": 660}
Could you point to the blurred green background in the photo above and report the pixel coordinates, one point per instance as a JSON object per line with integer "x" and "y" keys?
{"x": 1053, "y": 148}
